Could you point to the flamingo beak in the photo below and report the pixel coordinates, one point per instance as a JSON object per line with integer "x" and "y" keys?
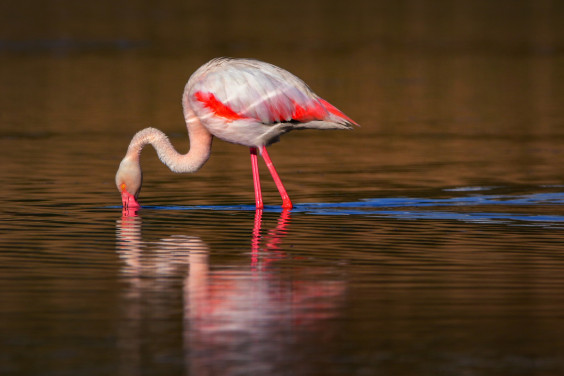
{"x": 128, "y": 200}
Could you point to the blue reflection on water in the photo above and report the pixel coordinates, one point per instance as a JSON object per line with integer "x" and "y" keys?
{"x": 413, "y": 208}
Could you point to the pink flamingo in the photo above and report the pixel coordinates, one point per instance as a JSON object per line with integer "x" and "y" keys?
{"x": 243, "y": 101}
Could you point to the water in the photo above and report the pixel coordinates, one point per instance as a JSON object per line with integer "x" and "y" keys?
{"x": 428, "y": 241}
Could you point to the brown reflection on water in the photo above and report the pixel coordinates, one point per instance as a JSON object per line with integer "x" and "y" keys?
{"x": 449, "y": 121}
{"x": 224, "y": 310}
{"x": 449, "y": 94}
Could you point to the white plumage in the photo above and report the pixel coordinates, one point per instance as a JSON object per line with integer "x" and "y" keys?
{"x": 243, "y": 101}
{"x": 269, "y": 100}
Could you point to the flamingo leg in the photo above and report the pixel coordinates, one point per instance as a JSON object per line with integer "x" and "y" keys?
{"x": 256, "y": 178}
{"x": 286, "y": 203}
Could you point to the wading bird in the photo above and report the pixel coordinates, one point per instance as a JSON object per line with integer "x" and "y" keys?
{"x": 243, "y": 101}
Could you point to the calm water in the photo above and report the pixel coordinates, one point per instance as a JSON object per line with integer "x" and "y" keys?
{"x": 429, "y": 241}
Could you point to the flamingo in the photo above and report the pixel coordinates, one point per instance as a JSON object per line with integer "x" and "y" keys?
{"x": 243, "y": 101}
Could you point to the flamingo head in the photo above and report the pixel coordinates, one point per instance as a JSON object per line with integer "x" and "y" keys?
{"x": 128, "y": 181}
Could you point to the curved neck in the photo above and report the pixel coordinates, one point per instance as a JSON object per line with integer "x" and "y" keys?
{"x": 200, "y": 148}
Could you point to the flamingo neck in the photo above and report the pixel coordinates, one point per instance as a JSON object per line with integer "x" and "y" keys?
{"x": 200, "y": 148}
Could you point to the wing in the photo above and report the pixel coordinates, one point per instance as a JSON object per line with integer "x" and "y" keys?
{"x": 243, "y": 88}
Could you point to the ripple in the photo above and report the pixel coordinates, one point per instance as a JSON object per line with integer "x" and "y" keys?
{"x": 414, "y": 208}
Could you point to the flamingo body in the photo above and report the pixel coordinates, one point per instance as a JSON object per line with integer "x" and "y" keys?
{"x": 252, "y": 103}
{"x": 243, "y": 101}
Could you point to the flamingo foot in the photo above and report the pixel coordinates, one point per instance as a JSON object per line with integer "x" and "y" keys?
{"x": 286, "y": 202}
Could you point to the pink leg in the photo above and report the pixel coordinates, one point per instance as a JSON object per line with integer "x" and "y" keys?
{"x": 256, "y": 178}
{"x": 286, "y": 203}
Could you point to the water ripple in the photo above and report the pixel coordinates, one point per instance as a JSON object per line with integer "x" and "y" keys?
{"x": 464, "y": 208}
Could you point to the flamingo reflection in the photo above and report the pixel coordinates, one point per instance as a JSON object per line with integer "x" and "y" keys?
{"x": 226, "y": 309}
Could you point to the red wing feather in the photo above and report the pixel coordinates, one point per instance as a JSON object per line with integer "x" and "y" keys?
{"x": 210, "y": 101}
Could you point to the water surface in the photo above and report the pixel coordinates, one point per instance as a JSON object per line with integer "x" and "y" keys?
{"x": 428, "y": 241}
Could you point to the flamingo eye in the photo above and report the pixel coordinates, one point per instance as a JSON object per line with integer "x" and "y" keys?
{"x": 122, "y": 187}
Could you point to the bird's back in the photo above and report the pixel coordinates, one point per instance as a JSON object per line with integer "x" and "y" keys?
{"x": 229, "y": 91}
